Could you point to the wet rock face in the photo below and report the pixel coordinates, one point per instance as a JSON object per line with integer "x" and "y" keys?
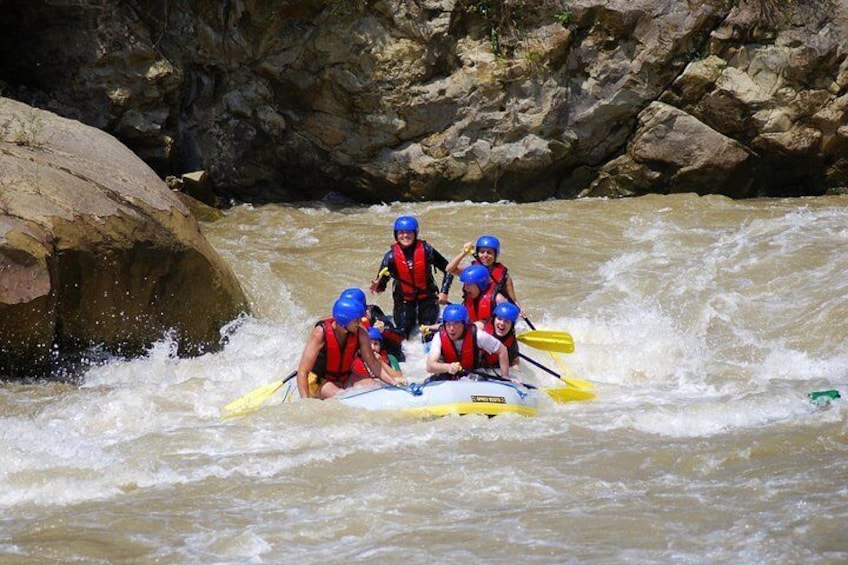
{"x": 391, "y": 99}
{"x": 95, "y": 250}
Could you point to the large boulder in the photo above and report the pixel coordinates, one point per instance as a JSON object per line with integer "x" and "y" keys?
{"x": 95, "y": 250}
{"x": 674, "y": 152}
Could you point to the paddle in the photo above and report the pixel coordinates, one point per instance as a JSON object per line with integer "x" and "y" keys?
{"x": 570, "y": 381}
{"x": 254, "y": 399}
{"x": 557, "y": 394}
{"x": 548, "y": 340}
{"x": 568, "y": 394}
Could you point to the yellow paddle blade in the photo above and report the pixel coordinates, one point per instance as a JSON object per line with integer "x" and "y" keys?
{"x": 548, "y": 340}
{"x": 578, "y": 383}
{"x": 568, "y": 394}
{"x": 251, "y": 401}
{"x": 567, "y": 375}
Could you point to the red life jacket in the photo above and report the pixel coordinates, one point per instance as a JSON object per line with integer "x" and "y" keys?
{"x": 480, "y": 308}
{"x": 498, "y": 273}
{"x": 468, "y": 355}
{"x": 413, "y": 282}
{"x": 491, "y": 360}
{"x": 359, "y": 367}
{"x": 337, "y": 362}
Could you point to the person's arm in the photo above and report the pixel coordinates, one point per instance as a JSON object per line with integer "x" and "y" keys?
{"x": 395, "y": 374}
{"x": 438, "y": 260}
{"x": 379, "y": 283}
{"x": 375, "y": 366}
{"x": 503, "y": 361}
{"x": 453, "y": 266}
{"x": 385, "y": 326}
{"x": 510, "y": 295}
{"x": 515, "y": 362}
{"x": 426, "y": 329}
{"x": 491, "y": 344}
{"x": 375, "y": 315}
{"x": 434, "y": 364}
{"x": 307, "y": 360}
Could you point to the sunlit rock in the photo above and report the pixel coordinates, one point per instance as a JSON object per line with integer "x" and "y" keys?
{"x": 95, "y": 250}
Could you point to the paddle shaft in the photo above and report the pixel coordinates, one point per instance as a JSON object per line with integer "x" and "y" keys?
{"x": 290, "y": 376}
{"x": 534, "y": 362}
{"x": 499, "y": 378}
{"x": 569, "y": 381}
{"x": 557, "y": 394}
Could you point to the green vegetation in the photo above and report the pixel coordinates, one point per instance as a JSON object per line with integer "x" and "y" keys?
{"x": 501, "y": 19}
{"x": 563, "y": 17}
{"x": 499, "y": 16}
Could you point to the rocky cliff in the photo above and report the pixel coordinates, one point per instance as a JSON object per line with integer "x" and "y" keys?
{"x": 450, "y": 99}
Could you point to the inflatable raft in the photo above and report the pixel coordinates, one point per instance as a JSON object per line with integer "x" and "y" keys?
{"x": 440, "y": 398}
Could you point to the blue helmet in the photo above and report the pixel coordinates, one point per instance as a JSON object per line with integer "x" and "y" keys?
{"x": 475, "y": 274}
{"x": 346, "y": 310}
{"x": 455, "y": 313}
{"x": 374, "y": 333}
{"x": 354, "y": 294}
{"x": 407, "y": 223}
{"x": 507, "y": 311}
{"x": 489, "y": 241}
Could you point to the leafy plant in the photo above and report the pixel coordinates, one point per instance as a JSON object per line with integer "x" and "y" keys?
{"x": 499, "y": 17}
{"x": 564, "y": 17}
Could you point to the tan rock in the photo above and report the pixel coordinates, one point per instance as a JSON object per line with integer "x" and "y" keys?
{"x": 95, "y": 250}
{"x": 685, "y": 154}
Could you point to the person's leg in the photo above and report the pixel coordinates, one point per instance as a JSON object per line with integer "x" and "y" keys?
{"x": 428, "y": 311}
{"x": 328, "y": 390}
{"x": 404, "y": 317}
{"x": 357, "y": 380}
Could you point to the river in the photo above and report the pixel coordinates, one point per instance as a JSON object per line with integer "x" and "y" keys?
{"x": 702, "y": 321}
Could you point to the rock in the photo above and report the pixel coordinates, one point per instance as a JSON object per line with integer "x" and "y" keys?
{"x": 674, "y": 152}
{"x": 96, "y": 251}
{"x": 197, "y": 185}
